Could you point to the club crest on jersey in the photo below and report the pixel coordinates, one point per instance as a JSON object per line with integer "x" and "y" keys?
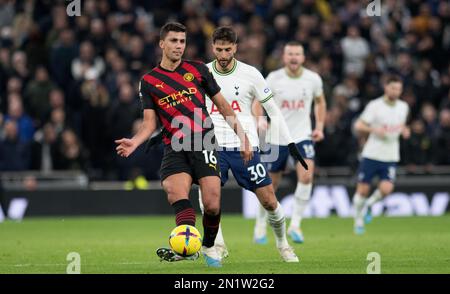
{"x": 188, "y": 77}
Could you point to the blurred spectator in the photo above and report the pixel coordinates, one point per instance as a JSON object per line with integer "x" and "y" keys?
{"x": 442, "y": 138}
{"x": 71, "y": 154}
{"x": 87, "y": 63}
{"x": 417, "y": 149}
{"x": 37, "y": 94}
{"x": 63, "y": 51}
{"x": 124, "y": 112}
{"x": 20, "y": 66}
{"x": 44, "y": 149}
{"x": 14, "y": 153}
{"x": 14, "y": 86}
{"x": 94, "y": 123}
{"x": 136, "y": 59}
{"x": 6, "y": 13}
{"x": 58, "y": 119}
{"x": 24, "y": 122}
{"x": 355, "y": 50}
{"x": 336, "y": 150}
{"x": 429, "y": 116}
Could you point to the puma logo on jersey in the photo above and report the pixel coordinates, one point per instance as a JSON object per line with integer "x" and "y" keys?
{"x": 213, "y": 166}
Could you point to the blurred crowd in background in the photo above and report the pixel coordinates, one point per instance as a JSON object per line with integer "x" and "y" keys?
{"x": 68, "y": 85}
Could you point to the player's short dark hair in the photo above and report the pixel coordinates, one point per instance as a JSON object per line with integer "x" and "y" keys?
{"x": 392, "y": 78}
{"x": 226, "y": 34}
{"x": 171, "y": 27}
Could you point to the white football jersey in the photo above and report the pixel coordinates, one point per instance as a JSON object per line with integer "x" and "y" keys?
{"x": 239, "y": 87}
{"x": 392, "y": 117}
{"x": 294, "y": 97}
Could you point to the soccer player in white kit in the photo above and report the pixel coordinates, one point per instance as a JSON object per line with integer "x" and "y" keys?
{"x": 241, "y": 84}
{"x": 384, "y": 120}
{"x": 295, "y": 88}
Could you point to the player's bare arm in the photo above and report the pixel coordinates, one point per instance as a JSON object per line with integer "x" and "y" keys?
{"x": 258, "y": 112}
{"x": 228, "y": 113}
{"x": 320, "y": 111}
{"x": 364, "y": 128}
{"x": 127, "y": 146}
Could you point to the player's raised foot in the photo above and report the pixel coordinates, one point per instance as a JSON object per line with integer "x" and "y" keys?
{"x": 167, "y": 254}
{"x": 288, "y": 254}
{"x": 296, "y": 235}
{"x": 222, "y": 250}
{"x": 211, "y": 256}
{"x": 359, "y": 230}
{"x": 368, "y": 217}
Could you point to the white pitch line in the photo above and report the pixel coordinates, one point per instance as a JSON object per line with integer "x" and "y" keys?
{"x": 61, "y": 264}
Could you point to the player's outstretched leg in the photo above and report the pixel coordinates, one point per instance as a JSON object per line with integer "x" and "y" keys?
{"x": 260, "y": 231}
{"x": 177, "y": 187}
{"x": 374, "y": 198}
{"x": 210, "y": 187}
{"x": 301, "y": 199}
{"x": 302, "y": 195}
{"x": 277, "y": 221}
{"x": 385, "y": 187}
{"x": 359, "y": 205}
{"x": 219, "y": 243}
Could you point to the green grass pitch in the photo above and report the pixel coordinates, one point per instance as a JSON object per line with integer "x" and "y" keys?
{"x": 128, "y": 245}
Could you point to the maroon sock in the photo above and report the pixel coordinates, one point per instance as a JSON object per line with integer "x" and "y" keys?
{"x": 210, "y": 227}
{"x": 184, "y": 212}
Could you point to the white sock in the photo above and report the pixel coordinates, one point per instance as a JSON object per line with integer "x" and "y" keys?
{"x": 278, "y": 223}
{"x": 359, "y": 204}
{"x": 219, "y": 238}
{"x": 374, "y": 198}
{"x": 261, "y": 221}
{"x": 301, "y": 196}
{"x": 200, "y": 201}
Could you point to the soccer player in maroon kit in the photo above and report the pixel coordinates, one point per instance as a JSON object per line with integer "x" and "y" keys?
{"x": 174, "y": 92}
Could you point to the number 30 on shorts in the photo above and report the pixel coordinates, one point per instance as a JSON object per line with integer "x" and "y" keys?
{"x": 256, "y": 171}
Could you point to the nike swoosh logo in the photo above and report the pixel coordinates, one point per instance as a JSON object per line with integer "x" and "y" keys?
{"x": 258, "y": 182}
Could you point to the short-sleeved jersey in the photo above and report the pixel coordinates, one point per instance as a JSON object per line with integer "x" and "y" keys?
{"x": 178, "y": 97}
{"x": 239, "y": 87}
{"x": 294, "y": 97}
{"x": 392, "y": 117}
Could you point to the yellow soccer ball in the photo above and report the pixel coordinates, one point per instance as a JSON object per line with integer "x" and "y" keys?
{"x": 185, "y": 240}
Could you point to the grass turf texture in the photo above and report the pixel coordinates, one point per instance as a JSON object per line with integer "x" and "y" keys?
{"x": 128, "y": 245}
